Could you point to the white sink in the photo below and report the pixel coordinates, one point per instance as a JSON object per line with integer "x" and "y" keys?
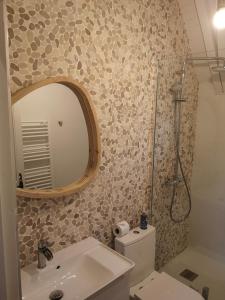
{"x": 80, "y": 271}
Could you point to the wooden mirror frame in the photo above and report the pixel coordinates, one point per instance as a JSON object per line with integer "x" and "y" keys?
{"x": 93, "y": 136}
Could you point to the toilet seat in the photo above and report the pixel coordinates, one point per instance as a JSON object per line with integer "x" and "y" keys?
{"x": 161, "y": 286}
{"x": 134, "y": 289}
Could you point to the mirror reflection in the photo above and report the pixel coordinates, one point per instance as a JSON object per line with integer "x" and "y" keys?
{"x": 51, "y": 138}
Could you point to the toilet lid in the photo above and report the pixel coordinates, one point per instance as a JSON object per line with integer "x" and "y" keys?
{"x": 164, "y": 287}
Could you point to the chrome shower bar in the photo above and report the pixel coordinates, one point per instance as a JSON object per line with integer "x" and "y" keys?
{"x": 217, "y": 69}
{"x": 208, "y": 58}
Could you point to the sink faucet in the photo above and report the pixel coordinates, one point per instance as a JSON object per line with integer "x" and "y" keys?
{"x": 43, "y": 253}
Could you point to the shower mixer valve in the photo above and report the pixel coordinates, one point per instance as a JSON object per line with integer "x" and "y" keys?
{"x": 174, "y": 181}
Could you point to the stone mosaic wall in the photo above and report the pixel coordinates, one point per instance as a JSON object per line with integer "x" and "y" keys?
{"x": 112, "y": 48}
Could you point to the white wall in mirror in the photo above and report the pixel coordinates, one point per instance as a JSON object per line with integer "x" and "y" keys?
{"x": 58, "y": 119}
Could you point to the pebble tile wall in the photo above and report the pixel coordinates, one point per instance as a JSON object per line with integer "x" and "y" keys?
{"x": 112, "y": 48}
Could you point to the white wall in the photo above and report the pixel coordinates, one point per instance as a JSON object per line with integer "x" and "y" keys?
{"x": 9, "y": 271}
{"x": 69, "y": 142}
{"x": 208, "y": 180}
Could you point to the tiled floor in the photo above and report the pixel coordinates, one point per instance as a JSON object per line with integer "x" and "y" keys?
{"x": 210, "y": 270}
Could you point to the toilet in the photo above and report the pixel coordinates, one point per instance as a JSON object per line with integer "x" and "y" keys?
{"x": 145, "y": 283}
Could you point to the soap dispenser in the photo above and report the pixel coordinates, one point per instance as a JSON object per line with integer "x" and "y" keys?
{"x": 144, "y": 221}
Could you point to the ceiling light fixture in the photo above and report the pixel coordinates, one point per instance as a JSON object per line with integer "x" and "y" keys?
{"x": 219, "y": 17}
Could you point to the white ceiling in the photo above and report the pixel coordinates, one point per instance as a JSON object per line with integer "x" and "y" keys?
{"x": 204, "y": 39}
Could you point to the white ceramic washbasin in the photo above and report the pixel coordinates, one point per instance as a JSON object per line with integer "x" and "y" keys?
{"x": 79, "y": 271}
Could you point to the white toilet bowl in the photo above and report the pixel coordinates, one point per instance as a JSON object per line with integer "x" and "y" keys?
{"x": 145, "y": 283}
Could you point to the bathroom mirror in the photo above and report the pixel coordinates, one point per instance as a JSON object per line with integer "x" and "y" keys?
{"x": 56, "y": 138}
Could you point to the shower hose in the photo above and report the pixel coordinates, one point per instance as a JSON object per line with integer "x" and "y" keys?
{"x": 177, "y": 221}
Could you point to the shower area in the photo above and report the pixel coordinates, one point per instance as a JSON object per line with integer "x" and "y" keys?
{"x": 188, "y": 194}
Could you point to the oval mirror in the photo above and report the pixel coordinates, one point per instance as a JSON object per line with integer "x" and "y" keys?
{"x": 56, "y": 138}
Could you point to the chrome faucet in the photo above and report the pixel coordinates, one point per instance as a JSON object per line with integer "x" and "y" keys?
{"x": 43, "y": 253}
